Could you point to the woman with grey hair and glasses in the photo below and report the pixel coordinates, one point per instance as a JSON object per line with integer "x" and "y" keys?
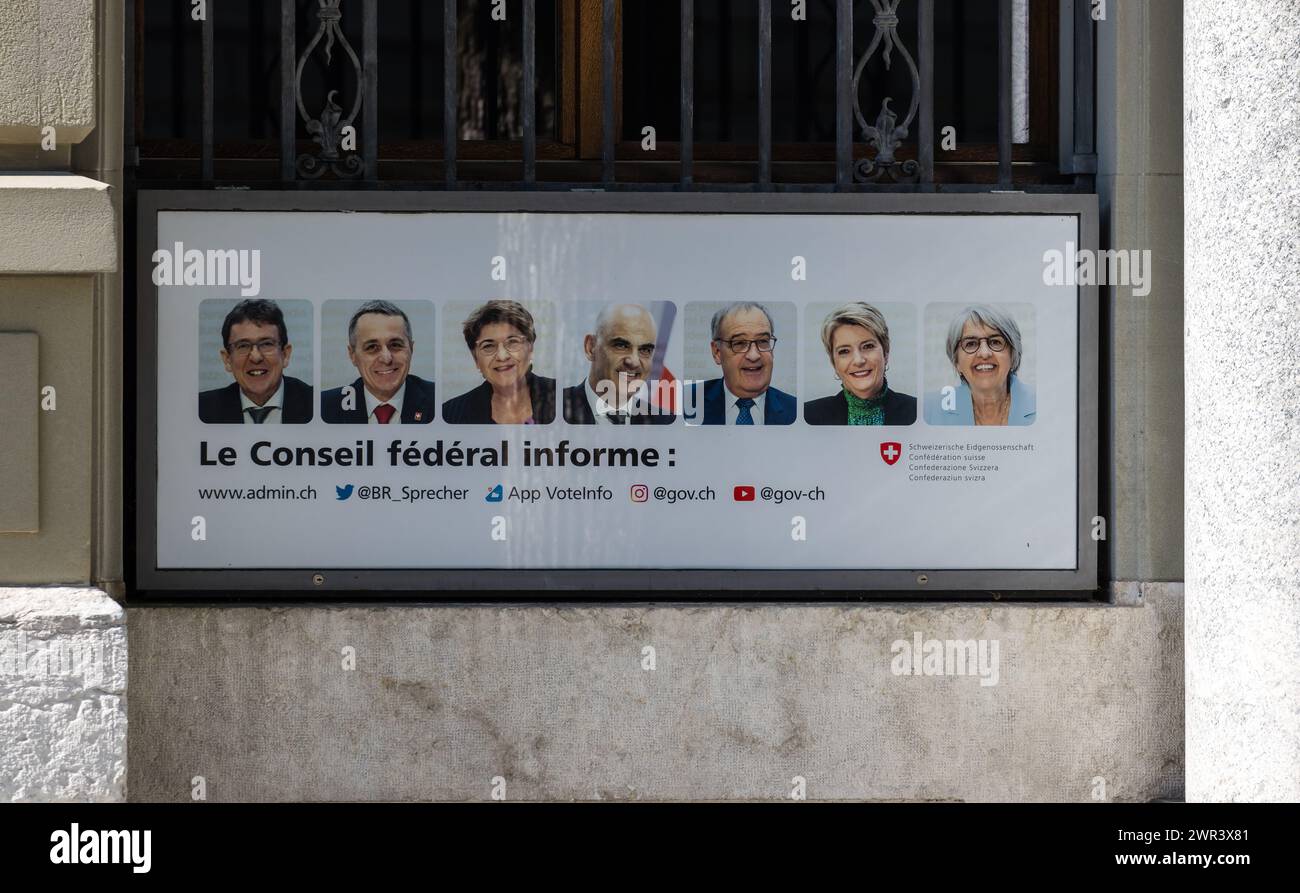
{"x": 985, "y": 349}
{"x": 500, "y": 336}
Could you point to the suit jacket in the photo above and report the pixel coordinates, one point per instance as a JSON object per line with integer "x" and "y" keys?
{"x": 1024, "y": 406}
{"x": 418, "y": 397}
{"x": 900, "y": 409}
{"x": 779, "y": 408}
{"x": 221, "y": 406}
{"x": 577, "y": 411}
{"x": 475, "y": 407}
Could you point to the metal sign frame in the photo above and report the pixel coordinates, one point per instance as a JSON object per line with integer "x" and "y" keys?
{"x": 636, "y": 584}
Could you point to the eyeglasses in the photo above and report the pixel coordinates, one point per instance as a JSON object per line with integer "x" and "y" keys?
{"x": 514, "y": 345}
{"x": 996, "y": 343}
{"x": 265, "y": 346}
{"x": 741, "y": 345}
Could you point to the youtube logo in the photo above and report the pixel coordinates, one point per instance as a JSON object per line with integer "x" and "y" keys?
{"x": 743, "y": 494}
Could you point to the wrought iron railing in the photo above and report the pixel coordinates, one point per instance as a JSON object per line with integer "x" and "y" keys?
{"x": 348, "y": 150}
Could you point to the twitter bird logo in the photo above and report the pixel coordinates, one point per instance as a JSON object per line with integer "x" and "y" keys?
{"x": 343, "y": 492}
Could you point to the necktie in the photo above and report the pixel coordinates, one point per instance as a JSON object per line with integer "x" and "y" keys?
{"x": 259, "y": 413}
{"x": 384, "y": 413}
{"x": 618, "y": 418}
{"x": 745, "y": 418}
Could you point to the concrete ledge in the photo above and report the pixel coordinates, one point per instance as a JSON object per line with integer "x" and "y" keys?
{"x": 555, "y": 701}
{"x": 56, "y": 223}
{"x": 62, "y": 696}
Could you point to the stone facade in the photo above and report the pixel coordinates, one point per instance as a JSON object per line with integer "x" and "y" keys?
{"x": 742, "y": 699}
{"x": 62, "y": 648}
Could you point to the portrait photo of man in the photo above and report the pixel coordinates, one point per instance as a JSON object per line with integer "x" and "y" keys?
{"x": 743, "y": 345}
{"x": 256, "y": 352}
{"x": 381, "y": 347}
{"x": 620, "y": 350}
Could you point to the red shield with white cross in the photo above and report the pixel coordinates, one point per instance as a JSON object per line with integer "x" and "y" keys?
{"x": 890, "y": 451}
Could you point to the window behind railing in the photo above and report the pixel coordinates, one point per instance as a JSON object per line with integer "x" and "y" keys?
{"x": 901, "y": 95}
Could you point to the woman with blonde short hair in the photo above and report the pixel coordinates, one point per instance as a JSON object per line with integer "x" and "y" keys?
{"x": 856, "y": 338}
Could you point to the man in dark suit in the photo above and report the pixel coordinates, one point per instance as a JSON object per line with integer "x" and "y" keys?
{"x": 744, "y": 345}
{"x": 621, "y": 351}
{"x": 256, "y": 353}
{"x": 380, "y": 345}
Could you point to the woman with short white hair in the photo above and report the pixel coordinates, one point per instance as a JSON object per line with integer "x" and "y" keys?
{"x": 985, "y": 349}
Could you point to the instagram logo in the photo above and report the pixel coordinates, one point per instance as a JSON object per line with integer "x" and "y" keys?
{"x": 640, "y": 492}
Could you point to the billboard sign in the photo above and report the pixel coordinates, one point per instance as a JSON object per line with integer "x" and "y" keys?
{"x": 533, "y": 392}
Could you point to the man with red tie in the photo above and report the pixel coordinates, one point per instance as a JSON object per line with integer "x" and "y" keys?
{"x": 380, "y": 347}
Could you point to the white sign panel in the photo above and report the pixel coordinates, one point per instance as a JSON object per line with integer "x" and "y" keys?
{"x": 550, "y": 391}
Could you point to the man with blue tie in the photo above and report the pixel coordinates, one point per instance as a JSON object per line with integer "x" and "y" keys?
{"x": 744, "y": 345}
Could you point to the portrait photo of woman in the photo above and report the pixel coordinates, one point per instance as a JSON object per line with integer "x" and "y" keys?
{"x": 985, "y": 348}
{"x": 501, "y": 336}
{"x": 856, "y": 338}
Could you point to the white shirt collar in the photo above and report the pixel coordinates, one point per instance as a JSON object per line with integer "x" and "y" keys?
{"x": 373, "y": 402}
{"x": 733, "y": 411}
{"x": 275, "y": 403}
{"x": 599, "y": 408}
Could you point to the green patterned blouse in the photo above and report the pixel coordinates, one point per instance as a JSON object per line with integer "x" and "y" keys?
{"x": 867, "y": 412}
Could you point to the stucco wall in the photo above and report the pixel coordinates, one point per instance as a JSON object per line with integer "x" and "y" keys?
{"x": 47, "y": 69}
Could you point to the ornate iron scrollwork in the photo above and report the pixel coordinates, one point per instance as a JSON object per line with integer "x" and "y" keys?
{"x": 886, "y": 135}
{"x": 327, "y": 129}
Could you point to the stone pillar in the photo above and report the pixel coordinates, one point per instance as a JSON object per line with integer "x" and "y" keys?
{"x": 62, "y": 696}
{"x": 62, "y": 638}
{"x": 1242, "y": 527}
